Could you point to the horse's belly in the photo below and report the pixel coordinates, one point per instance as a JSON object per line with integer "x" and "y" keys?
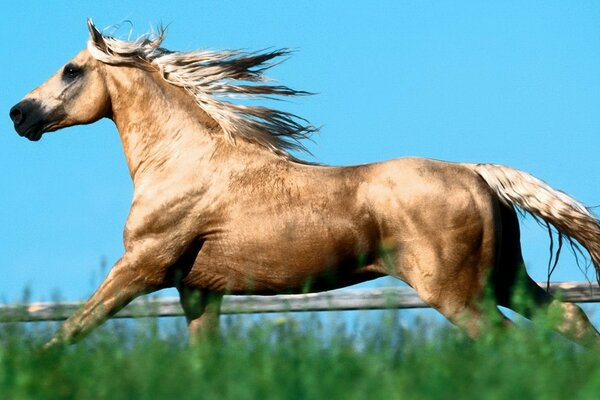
{"x": 307, "y": 259}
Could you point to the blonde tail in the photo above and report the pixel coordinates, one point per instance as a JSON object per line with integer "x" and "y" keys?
{"x": 570, "y": 217}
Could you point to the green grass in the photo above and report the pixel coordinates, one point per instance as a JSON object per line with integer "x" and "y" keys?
{"x": 290, "y": 358}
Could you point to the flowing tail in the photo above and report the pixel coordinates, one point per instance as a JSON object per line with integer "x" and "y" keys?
{"x": 567, "y": 215}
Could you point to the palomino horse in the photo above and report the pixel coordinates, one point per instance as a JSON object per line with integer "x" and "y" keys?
{"x": 220, "y": 206}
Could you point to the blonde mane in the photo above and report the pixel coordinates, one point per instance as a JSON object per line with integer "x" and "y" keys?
{"x": 211, "y": 77}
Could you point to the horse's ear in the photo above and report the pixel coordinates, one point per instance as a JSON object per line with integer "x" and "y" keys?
{"x": 95, "y": 35}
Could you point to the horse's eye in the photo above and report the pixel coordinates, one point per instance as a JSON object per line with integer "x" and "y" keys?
{"x": 71, "y": 72}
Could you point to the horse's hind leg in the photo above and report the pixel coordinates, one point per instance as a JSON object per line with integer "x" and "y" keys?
{"x": 473, "y": 317}
{"x": 524, "y": 296}
{"x": 457, "y": 290}
{"x": 515, "y": 289}
{"x": 469, "y": 311}
{"x": 448, "y": 268}
{"x": 567, "y": 318}
{"x": 201, "y": 310}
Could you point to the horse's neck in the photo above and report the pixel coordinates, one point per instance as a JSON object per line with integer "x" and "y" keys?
{"x": 157, "y": 122}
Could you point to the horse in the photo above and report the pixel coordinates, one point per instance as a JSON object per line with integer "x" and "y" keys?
{"x": 221, "y": 206}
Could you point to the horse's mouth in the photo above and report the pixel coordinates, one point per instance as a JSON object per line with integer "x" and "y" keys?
{"x": 34, "y": 137}
{"x": 33, "y": 132}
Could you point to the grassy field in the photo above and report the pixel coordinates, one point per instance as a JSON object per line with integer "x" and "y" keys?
{"x": 378, "y": 355}
{"x": 291, "y": 358}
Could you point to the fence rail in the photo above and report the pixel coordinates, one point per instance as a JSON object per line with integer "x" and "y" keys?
{"x": 337, "y": 300}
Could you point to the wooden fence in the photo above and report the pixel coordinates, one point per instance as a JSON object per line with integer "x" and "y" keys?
{"x": 337, "y": 300}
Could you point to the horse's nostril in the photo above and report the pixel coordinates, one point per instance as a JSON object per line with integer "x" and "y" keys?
{"x": 16, "y": 114}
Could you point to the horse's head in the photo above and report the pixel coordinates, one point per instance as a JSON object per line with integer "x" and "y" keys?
{"x": 76, "y": 94}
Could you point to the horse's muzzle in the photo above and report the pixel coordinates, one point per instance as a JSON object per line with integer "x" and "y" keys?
{"x": 28, "y": 118}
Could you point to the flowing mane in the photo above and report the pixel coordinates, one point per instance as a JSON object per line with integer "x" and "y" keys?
{"x": 211, "y": 77}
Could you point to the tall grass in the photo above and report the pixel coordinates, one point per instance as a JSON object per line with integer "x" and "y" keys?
{"x": 291, "y": 358}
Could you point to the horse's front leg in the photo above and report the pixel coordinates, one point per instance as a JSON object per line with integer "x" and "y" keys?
{"x": 130, "y": 277}
{"x": 202, "y": 309}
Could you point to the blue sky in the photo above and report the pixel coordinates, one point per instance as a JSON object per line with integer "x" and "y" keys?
{"x": 508, "y": 82}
